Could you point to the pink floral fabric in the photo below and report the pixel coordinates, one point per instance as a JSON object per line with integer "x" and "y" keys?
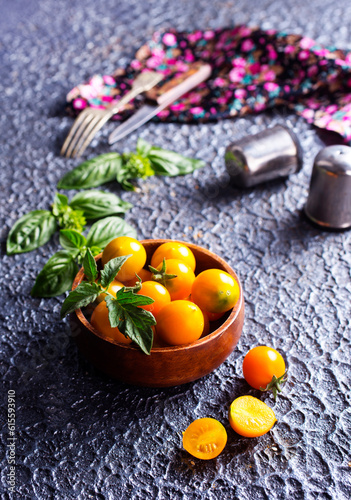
{"x": 252, "y": 70}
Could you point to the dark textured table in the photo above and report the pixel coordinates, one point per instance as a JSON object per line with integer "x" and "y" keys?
{"x": 78, "y": 433}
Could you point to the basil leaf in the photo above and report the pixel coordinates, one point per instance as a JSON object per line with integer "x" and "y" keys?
{"x": 60, "y": 204}
{"x": 134, "y": 166}
{"x": 165, "y": 162}
{"x": 132, "y": 321}
{"x": 122, "y": 179}
{"x": 90, "y": 267}
{"x": 143, "y": 147}
{"x": 57, "y": 275}
{"x": 92, "y": 173}
{"x": 110, "y": 270}
{"x": 31, "y": 231}
{"x": 66, "y": 217}
{"x": 126, "y": 297}
{"x": 84, "y": 294}
{"x": 97, "y": 204}
{"x": 72, "y": 240}
{"x": 105, "y": 230}
{"x": 95, "y": 250}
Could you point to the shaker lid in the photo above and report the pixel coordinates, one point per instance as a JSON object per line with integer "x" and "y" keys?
{"x": 329, "y": 198}
{"x": 335, "y": 159}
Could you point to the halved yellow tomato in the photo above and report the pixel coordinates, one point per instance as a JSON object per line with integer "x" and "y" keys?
{"x": 205, "y": 438}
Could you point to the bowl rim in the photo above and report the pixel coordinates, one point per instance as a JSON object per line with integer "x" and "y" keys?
{"x": 201, "y": 341}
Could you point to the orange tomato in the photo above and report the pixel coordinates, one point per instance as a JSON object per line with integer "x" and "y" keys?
{"x": 124, "y": 245}
{"x": 173, "y": 250}
{"x": 251, "y": 417}
{"x": 99, "y": 320}
{"x": 155, "y": 291}
{"x": 180, "y": 322}
{"x": 113, "y": 288}
{"x": 215, "y": 291}
{"x": 157, "y": 341}
{"x": 179, "y": 287}
{"x": 213, "y": 316}
{"x": 143, "y": 274}
{"x": 207, "y": 327}
{"x": 260, "y": 365}
{"x": 205, "y": 438}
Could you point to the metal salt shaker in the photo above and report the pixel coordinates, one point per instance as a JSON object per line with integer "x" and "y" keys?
{"x": 329, "y": 198}
{"x": 270, "y": 154}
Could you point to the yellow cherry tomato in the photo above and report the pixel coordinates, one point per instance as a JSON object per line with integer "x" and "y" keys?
{"x": 144, "y": 275}
{"x": 251, "y": 417}
{"x": 99, "y": 320}
{"x": 179, "y": 287}
{"x": 215, "y": 291}
{"x": 207, "y": 327}
{"x": 124, "y": 245}
{"x": 260, "y": 364}
{"x": 113, "y": 288}
{"x": 155, "y": 291}
{"x": 173, "y": 250}
{"x": 213, "y": 316}
{"x": 180, "y": 322}
{"x": 205, "y": 438}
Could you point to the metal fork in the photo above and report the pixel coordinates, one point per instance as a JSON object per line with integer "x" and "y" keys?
{"x": 91, "y": 120}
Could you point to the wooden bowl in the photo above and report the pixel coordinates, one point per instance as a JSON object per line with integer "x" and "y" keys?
{"x": 165, "y": 366}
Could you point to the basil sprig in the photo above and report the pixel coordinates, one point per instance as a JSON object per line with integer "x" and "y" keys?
{"x": 168, "y": 163}
{"x": 58, "y": 273}
{"x": 92, "y": 173}
{"x": 31, "y": 231}
{"x": 66, "y": 216}
{"x": 104, "y": 230}
{"x": 147, "y": 160}
{"x": 36, "y": 228}
{"x": 97, "y": 204}
{"x": 123, "y": 310}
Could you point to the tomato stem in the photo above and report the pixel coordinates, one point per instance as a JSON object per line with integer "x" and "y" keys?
{"x": 275, "y": 384}
{"x": 135, "y": 288}
{"x": 160, "y": 275}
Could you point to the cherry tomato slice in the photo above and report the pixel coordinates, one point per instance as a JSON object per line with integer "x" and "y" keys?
{"x": 251, "y": 417}
{"x": 205, "y": 438}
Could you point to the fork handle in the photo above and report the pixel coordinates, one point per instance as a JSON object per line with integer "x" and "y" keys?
{"x": 159, "y": 94}
{"x": 124, "y": 100}
{"x": 188, "y": 81}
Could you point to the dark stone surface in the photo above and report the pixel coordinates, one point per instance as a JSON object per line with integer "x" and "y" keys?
{"x": 81, "y": 435}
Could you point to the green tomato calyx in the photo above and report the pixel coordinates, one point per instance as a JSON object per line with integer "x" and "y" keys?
{"x": 160, "y": 275}
{"x": 275, "y": 385}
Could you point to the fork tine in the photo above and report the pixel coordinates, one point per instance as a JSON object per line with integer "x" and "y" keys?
{"x": 88, "y": 134}
{"x": 80, "y": 134}
{"x": 83, "y": 115}
{"x": 90, "y": 120}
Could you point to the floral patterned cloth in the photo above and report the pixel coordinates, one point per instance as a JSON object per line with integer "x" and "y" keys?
{"x": 252, "y": 70}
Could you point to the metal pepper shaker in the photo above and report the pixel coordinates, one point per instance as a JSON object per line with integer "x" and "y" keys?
{"x": 270, "y": 154}
{"x": 329, "y": 198}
